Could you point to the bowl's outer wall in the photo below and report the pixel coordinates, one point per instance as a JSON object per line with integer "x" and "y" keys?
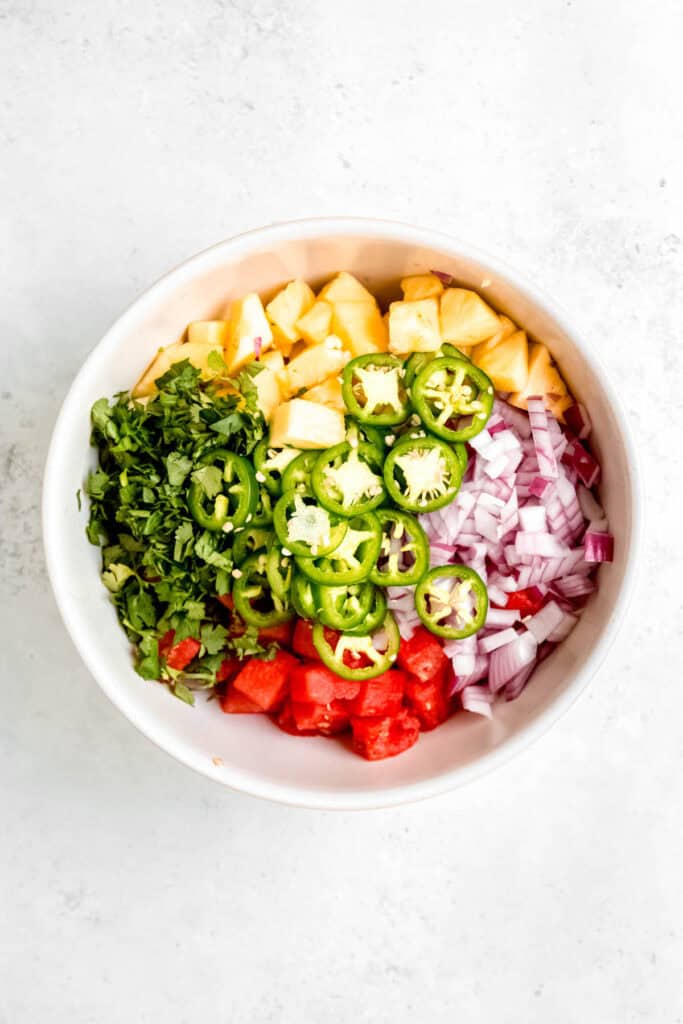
{"x": 249, "y": 752}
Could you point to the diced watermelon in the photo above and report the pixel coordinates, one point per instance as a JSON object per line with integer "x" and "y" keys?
{"x": 526, "y": 602}
{"x": 382, "y": 695}
{"x": 266, "y": 682}
{"x": 281, "y": 634}
{"x": 328, "y": 719}
{"x": 317, "y": 684}
{"x": 235, "y": 703}
{"x": 182, "y": 653}
{"x": 285, "y": 720}
{"x": 302, "y": 642}
{"x": 422, "y": 655}
{"x": 376, "y": 738}
{"x": 228, "y": 668}
{"x": 428, "y": 700}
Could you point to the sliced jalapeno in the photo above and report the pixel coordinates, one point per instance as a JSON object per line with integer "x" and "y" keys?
{"x": 344, "y": 607}
{"x": 347, "y": 480}
{"x": 453, "y": 398}
{"x": 375, "y": 616}
{"x": 279, "y": 572}
{"x": 362, "y": 433}
{"x": 452, "y": 601}
{"x": 271, "y": 463}
{"x": 359, "y": 656}
{"x": 222, "y": 490}
{"x": 374, "y": 390}
{"x": 304, "y": 596}
{"x": 306, "y": 528}
{"x": 255, "y": 600}
{"x": 422, "y": 473}
{"x": 404, "y": 552}
{"x": 297, "y": 476}
{"x": 249, "y": 540}
{"x": 263, "y": 513}
{"x": 352, "y": 560}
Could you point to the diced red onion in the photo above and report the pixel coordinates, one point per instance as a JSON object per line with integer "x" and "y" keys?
{"x": 258, "y": 344}
{"x": 478, "y": 700}
{"x": 538, "y": 418}
{"x": 582, "y": 461}
{"x": 543, "y": 544}
{"x": 544, "y": 622}
{"x": 564, "y": 628}
{"x": 498, "y": 639}
{"x": 539, "y": 486}
{"x": 578, "y": 420}
{"x": 442, "y": 276}
{"x": 574, "y": 586}
{"x": 599, "y": 547}
{"x": 507, "y": 661}
{"x": 501, "y": 617}
{"x": 532, "y": 519}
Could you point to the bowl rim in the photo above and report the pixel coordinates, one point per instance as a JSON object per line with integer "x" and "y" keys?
{"x": 244, "y": 781}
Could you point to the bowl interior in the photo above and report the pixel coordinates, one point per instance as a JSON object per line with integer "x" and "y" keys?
{"x": 248, "y": 752}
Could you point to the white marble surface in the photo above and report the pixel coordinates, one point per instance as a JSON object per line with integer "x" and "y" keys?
{"x": 133, "y": 134}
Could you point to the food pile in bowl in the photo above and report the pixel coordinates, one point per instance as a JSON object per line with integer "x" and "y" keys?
{"x": 357, "y": 523}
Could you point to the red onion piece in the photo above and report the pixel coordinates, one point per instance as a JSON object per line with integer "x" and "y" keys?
{"x": 578, "y": 420}
{"x": 538, "y": 418}
{"x": 599, "y": 547}
{"x": 258, "y": 344}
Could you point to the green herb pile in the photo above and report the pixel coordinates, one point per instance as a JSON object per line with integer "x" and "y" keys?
{"x": 158, "y": 564}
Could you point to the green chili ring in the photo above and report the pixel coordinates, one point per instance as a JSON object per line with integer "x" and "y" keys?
{"x": 251, "y": 587}
{"x": 335, "y": 571}
{"x": 425, "y": 592}
{"x": 448, "y": 487}
{"x": 334, "y": 659}
{"x": 351, "y": 386}
{"x": 324, "y": 490}
{"x": 438, "y": 405}
{"x": 281, "y": 520}
{"x": 417, "y": 545}
{"x": 236, "y": 501}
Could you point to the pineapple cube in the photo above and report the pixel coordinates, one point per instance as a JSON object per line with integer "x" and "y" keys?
{"x": 360, "y": 326}
{"x": 543, "y": 379}
{"x": 328, "y": 393}
{"x": 274, "y": 360}
{"x": 209, "y": 332}
{"x": 284, "y": 310}
{"x": 421, "y": 286}
{"x": 269, "y": 394}
{"x": 345, "y": 288}
{"x": 507, "y": 328}
{"x": 315, "y": 325}
{"x": 248, "y": 321}
{"x": 465, "y": 318}
{"x": 197, "y": 352}
{"x": 315, "y": 365}
{"x": 505, "y": 363}
{"x": 306, "y": 425}
{"x": 414, "y": 326}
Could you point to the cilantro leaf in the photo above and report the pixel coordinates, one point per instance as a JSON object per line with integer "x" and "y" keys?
{"x": 177, "y": 467}
{"x": 115, "y": 575}
{"x": 213, "y": 638}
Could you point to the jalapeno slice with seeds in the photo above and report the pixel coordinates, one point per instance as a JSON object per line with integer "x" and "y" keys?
{"x": 453, "y": 398}
{"x": 404, "y": 551}
{"x": 452, "y": 601}
{"x": 374, "y": 391}
{"x": 249, "y": 540}
{"x": 223, "y": 490}
{"x": 297, "y": 476}
{"x": 375, "y": 615}
{"x": 255, "y": 600}
{"x": 304, "y": 527}
{"x": 279, "y": 572}
{"x": 263, "y": 513}
{"x": 352, "y": 560}
{"x": 344, "y": 607}
{"x": 304, "y": 596}
{"x": 422, "y": 473}
{"x": 347, "y": 480}
{"x": 271, "y": 464}
{"x": 359, "y": 656}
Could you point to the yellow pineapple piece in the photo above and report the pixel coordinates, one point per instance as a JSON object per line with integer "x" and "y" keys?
{"x": 328, "y": 393}
{"x": 421, "y": 286}
{"x": 288, "y": 306}
{"x": 197, "y": 352}
{"x": 268, "y": 391}
{"x": 345, "y": 288}
{"x": 248, "y": 321}
{"x": 507, "y": 328}
{"x": 414, "y": 326}
{"x": 306, "y": 425}
{"x": 543, "y": 379}
{"x": 465, "y": 318}
{"x": 360, "y": 326}
{"x": 505, "y": 363}
{"x": 315, "y": 364}
{"x": 315, "y": 325}
{"x": 209, "y": 332}
{"x": 274, "y": 360}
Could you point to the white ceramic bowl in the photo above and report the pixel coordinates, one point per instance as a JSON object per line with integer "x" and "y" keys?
{"x": 248, "y": 752}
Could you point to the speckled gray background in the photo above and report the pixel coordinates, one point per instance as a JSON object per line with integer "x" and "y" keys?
{"x": 135, "y": 133}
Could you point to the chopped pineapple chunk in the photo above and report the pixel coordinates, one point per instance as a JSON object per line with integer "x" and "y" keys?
{"x": 248, "y": 321}
{"x": 414, "y": 326}
{"x": 197, "y": 352}
{"x": 421, "y": 286}
{"x": 315, "y": 365}
{"x": 209, "y": 332}
{"x": 543, "y": 379}
{"x": 505, "y": 363}
{"x": 345, "y": 288}
{"x": 315, "y": 325}
{"x": 507, "y": 328}
{"x": 327, "y": 393}
{"x": 465, "y": 318}
{"x": 274, "y": 360}
{"x": 284, "y": 310}
{"x": 302, "y": 424}
{"x": 360, "y": 326}
{"x": 269, "y": 393}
